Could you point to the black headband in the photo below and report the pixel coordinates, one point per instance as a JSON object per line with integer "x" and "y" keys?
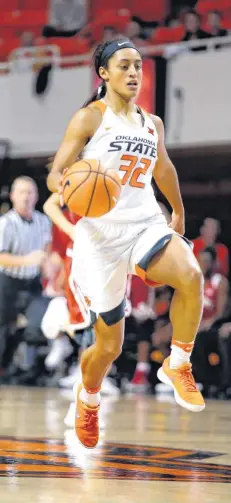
{"x": 113, "y": 47}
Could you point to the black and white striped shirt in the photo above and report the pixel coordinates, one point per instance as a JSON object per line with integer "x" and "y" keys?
{"x": 20, "y": 237}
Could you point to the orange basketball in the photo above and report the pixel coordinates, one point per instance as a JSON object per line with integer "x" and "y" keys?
{"x": 89, "y": 190}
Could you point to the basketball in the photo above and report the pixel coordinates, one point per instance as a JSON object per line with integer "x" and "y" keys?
{"x": 89, "y": 190}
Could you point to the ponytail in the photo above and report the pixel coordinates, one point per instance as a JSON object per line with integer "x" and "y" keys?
{"x": 98, "y": 94}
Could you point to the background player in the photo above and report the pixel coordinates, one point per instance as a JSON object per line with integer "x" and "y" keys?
{"x": 134, "y": 237}
{"x": 70, "y": 313}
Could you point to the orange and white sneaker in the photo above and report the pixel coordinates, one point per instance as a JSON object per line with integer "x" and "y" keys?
{"x": 86, "y": 423}
{"x": 182, "y": 381}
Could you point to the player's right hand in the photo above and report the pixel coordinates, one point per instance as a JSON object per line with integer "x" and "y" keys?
{"x": 54, "y": 181}
{"x": 36, "y": 257}
{"x": 178, "y": 222}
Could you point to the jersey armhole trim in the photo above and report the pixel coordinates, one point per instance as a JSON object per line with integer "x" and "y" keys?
{"x": 100, "y": 105}
{"x": 147, "y": 115}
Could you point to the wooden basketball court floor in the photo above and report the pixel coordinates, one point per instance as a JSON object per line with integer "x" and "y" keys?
{"x": 150, "y": 451}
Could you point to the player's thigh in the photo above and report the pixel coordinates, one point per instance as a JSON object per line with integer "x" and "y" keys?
{"x": 152, "y": 239}
{"x": 164, "y": 257}
{"x": 174, "y": 265}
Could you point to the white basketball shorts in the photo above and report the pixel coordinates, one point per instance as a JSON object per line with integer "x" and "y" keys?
{"x": 105, "y": 253}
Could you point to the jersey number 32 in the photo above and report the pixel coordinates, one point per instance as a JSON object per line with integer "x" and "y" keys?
{"x": 132, "y": 162}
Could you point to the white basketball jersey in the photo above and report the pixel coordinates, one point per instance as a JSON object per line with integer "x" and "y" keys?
{"x": 131, "y": 150}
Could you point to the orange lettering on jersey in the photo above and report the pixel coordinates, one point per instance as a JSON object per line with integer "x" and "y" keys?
{"x": 133, "y": 159}
{"x": 140, "y": 171}
{"x": 128, "y": 169}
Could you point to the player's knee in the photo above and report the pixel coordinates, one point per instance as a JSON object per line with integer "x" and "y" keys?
{"x": 193, "y": 279}
{"x": 112, "y": 350}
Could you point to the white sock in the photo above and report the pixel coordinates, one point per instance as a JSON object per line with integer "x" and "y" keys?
{"x": 180, "y": 356}
{"x": 143, "y": 367}
{"x": 90, "y": 399}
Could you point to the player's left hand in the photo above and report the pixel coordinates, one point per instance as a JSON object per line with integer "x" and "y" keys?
{"x": 178, "y": 222}
{"x": 60, "y": 188}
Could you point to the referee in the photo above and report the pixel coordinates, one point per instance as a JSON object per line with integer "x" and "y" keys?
{"x": 24, "y": 237}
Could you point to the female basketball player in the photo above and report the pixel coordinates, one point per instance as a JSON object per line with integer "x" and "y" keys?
{"x": 132, "y": 238}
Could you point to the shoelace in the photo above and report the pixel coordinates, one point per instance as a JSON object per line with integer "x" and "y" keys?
{"x": 187, "y": 379}
{"x": 90, "y": 418}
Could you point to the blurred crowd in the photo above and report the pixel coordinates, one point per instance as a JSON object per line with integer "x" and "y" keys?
{"x": 77, "y": 26}
{"x": 45, "y": 322}
{"x": 71, "y": 19}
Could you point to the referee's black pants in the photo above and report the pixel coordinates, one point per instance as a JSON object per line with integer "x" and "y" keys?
{"x": 22, "y": 296}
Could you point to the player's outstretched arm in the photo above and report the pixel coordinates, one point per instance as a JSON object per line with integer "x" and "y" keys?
{"x": 166, "y": 178}
{"x": 81, "y": 127}
{"x": 53, "y": 211}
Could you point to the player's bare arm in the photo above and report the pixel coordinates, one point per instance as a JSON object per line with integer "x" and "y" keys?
{"x": 81, "y": 127}
{"x": 53, "y": 211}
{"x": 166, "y": 178}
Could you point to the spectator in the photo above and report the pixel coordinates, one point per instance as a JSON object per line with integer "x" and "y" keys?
{"x": 27, "y": 39}
{"x": 134, "y": 33}
{"x": 208, "y": 352}
{"x": 147, "y": 28}
{"x": 109, "y": 33}
{"x": 214, "y": 24}
{"x": 177, "y": 6}
{"x": 208, "y": 237}
{"x": 216, "y": 289}
{"x": 67, "y": 18}
{"x": 24, "y": 237}
{"x": 193, "y": 29}
{"x": 23, "y": 60}
{"x": 225, "y": 345}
